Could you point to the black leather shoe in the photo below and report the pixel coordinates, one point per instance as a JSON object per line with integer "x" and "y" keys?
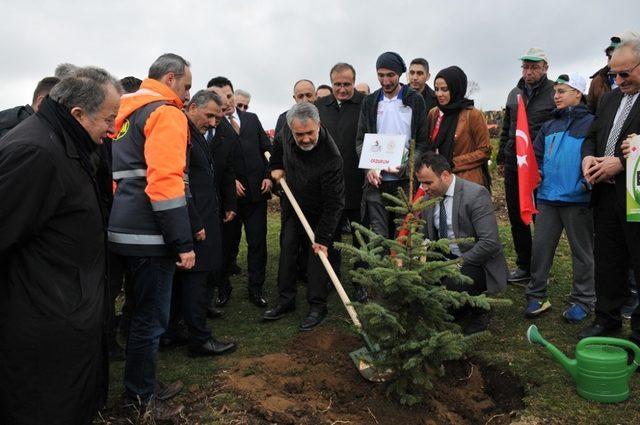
{"x": 167, "y": 391}
{"x": 257, "y": 299}
{"x": 234, "y": 269}
{"x": 277, "y": 312}
{"x": 174, "y": 339}
{"x": 477, "y": 322}
{"x": 598, "y": 329}
{"x": 213, "y": 347}
{"x": 518, "y": 275}
{"x": 214, "y": 313}
{"x": 224, "y": 295}
{"x": 313, "y": 319}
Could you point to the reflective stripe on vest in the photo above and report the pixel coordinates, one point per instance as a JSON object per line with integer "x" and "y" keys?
{"x": 118, "y": 175}
{"x": 169, "y": 204}
{"x": 126, "y": 238}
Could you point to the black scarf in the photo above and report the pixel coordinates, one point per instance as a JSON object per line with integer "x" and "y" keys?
{"x": 63, "y": 123}
{"x": 456, "y": 81}
{"x": 67, "y": 127}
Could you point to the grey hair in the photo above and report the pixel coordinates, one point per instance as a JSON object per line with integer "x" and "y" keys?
{"x": 85, "y": 88}
{"x": 633, "y": 44}
{"x": 243, "y": 93}
{"x": 64, "y": 70}
{"x": 202, "y": 97}
{"x": 303, "y": 111}
{"x": 169, "y": 62}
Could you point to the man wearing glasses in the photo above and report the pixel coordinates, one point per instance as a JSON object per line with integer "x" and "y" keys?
{"x": 339, "y": 113}
{"x": 242, "y": 99}
{"x": 537, "y": 92}
{"x": 617, "y": 241}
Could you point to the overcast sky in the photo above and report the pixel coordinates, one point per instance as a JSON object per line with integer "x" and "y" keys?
{"x": 265, "y": 46}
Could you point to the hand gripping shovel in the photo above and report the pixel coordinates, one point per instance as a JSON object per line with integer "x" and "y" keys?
{"x": 362, "y": 357}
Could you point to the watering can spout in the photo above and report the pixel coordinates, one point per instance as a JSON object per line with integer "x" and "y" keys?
{"x": 570, "y": 365}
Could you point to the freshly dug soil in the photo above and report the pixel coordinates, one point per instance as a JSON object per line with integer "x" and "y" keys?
{"x": 315, "y": 382}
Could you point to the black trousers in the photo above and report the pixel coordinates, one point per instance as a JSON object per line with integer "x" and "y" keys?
{"x": 476, "y": 273}
{"x": 520, "y": 232}
{"x": 292, "y": 239}
{"x": 254, "y": 218}
{"x": 479, "y": 285}
{"x": 351, "y": 216}
{"x": 616, "y": 249}
{"x": 118, "y": 279}
{"x": 189, "y": 301}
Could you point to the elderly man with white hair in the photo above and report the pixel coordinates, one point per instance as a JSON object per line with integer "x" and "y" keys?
{"x": 305, "y": 154}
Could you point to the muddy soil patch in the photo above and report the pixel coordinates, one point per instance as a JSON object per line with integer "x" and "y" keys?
{"x": 314, "y": 382}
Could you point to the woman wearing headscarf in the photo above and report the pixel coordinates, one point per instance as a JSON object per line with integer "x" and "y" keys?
{"x": 458, "y": 130}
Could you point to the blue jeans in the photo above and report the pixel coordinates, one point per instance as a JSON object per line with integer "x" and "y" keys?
{"x": 151, "y": 279}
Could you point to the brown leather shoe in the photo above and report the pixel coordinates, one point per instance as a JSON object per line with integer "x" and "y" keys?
{"x": 162, "y": 411}
{"x": 167, "y": 391}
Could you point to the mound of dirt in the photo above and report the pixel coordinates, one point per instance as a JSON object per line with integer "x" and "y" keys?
{"x": 315, "y": 382}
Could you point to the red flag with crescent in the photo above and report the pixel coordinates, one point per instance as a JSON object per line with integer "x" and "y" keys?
{"x": 528, "y": 173}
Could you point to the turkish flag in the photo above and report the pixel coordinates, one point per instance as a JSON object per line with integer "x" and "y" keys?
{"x": 528, "y": 173}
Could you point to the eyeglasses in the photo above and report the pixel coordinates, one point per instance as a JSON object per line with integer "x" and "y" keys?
{"x": 242, "y": 106}
{"x": 622, "y": 74}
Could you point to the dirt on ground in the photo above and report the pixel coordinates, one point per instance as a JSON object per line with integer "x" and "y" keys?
{"x": 315, "y": 382}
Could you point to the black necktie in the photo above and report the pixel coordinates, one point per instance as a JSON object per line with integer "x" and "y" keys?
{"x": 442, "y": 231}
{"x": 209, "y": 136}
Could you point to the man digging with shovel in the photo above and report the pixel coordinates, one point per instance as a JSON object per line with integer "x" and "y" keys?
{"x": 305, "y": 152}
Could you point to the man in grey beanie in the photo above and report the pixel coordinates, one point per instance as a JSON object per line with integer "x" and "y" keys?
{"x": 392, "y": 109}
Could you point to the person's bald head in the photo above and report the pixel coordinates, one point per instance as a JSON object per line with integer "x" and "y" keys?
{"x": 363, "y": 88}
{"x": 304, "y": 91}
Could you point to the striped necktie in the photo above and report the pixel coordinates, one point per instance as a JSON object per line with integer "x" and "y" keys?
{"x": 617, "y": 126}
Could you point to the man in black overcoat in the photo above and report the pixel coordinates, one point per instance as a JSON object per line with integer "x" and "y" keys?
{"x": 53, "y": 363}
{"x": 306, "y": 155}
{"x": 339, "y": 114}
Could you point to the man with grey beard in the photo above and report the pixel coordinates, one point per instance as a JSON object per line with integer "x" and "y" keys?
{"x": 307, "y": 156}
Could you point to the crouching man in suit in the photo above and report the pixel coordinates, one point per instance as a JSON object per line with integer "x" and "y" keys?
{"x": 465, "y": 211}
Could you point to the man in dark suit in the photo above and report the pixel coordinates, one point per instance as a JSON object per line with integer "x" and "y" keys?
{"x": 465, "y": 211}
{"x": 617, "y": 241}
{"x": 339, "y": 114}
{"x": 189, "y": 298}
{"x": 253, "y": 188}
{"x": 223, "y": 146}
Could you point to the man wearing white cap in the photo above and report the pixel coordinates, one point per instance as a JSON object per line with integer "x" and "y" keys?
{"x": 537, "y": 92}
{"x": 563, "y": 201}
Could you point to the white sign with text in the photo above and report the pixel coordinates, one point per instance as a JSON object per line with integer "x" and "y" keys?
{"x": 382, "y": 151}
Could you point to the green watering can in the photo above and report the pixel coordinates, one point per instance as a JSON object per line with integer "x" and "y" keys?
{"x": 600, "y": 370}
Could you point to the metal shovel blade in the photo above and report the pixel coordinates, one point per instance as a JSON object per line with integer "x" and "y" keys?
{"x": 364, "y": 363}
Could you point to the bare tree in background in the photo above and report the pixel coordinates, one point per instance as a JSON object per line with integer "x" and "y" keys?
{"x": 472, "y": 88}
